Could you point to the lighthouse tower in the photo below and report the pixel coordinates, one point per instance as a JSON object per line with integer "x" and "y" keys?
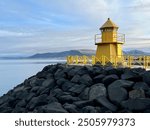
{"x": 109, "y": 43}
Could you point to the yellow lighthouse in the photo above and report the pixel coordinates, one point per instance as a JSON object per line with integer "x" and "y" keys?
{"x": 109, "y": 43}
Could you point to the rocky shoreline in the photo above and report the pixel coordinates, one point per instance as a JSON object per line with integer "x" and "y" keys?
{"x": 81, "y": 89}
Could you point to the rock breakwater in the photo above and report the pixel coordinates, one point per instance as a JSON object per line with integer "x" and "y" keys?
{"x": 80, "y": 89}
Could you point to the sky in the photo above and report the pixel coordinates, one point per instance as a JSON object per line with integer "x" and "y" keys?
{"x": 38, "y": 26}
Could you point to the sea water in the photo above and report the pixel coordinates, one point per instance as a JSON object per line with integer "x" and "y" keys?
{"x": 14, "y": 72}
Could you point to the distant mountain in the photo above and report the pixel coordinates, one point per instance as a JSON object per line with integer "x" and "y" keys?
{"x": 135, "y": 52}
{"x": 57, "y": 54}
{"x": 80, "y": 53}
{"x": 12, "y": 58}
{"x": 64, "y": 54}
{"x": 87, "y": 52}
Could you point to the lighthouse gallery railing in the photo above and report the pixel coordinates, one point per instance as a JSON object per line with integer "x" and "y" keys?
{"x": 119, "y": 38}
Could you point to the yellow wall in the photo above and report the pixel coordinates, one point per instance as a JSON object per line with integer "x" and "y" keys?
{"x": 119, "y": 50}
{"x": 113, "y": 49}
{"x": 109, "y": 35}
{"x": 103, "y": 50}
{"x": 110, "y": 50}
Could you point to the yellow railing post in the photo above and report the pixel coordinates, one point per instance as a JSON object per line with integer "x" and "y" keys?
{"x": 93, "y": 60}
{"x": 148, "y": 61}
{"x": 80, "y": 59}
{"x": 71, "y": 60}
{"x": 115, "y": 61}
{"x": 103, "y": 60}
{"x": 128, "y": 61}
{"x": 67, "y": 59}
{"x": 84, "y": 60}
{"x": 130, "y": 58}
{"x": 76, "y": 59}
{"x": 140, "y": 59}
{"x": 145, "y": 62}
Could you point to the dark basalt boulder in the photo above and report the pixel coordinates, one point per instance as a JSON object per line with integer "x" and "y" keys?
{"x": 81, "y": 104}
{"x": 29, "y": 97}
{"x": 141, "y": 85}
{"x": 6, "y": 109}
{"x": 41, "y": 75}
{"x": 96, "y": 91}
{"x": 117, "y": 94}
{"x": 112, "y": 70}
{"x": 43, "y": 90}
{"x": 109, "y": 79}
{"x": 131, "y": 75}
{"x": 35, "y": 89}
{"x": 36, "y": 82}
{"x": 86, "y": 80}
{"x": 56, "y": 93}
{"x": 77, "y": 89}
{"x": 19, "y": 110}
{"x": 76, "y": 79}
{"x": 98, "y": 79}
{"x": 84, "y": 95}
{"x": 60, "y": 74}
{"x": 102, "y": 100}
{"x": 73, "y": 72}
{"x": 61, "y": 81}
{"x": 37, "y": 101}
{"x": 137, "y": 105}
{"x": 50, "y": 68}
{"x": 54, "y": 107}
{"x": 4, "y": 99}
{"x": 67, "y": 99}
{"x": 20, "y": 94}
{"x": 71, "y": 108}
{"x": 89, "y": 109}
{"x": 146, "y": 76}
{"x": 67, "y": 85}
{"x": 97, "y": 70}
{"x": 21, "y": 103}
{"x": 82, "y": 71}
{"x": 137, "y": 93}
{"x": 51, "y": 99}
{"x": 122, "y": 83}
{"x": 49, "y": 83}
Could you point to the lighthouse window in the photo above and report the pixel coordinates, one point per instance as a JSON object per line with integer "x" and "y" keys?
{"x": 108, "y": 30}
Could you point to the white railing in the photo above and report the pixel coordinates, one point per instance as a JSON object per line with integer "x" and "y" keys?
{"x": 119, "y": 38}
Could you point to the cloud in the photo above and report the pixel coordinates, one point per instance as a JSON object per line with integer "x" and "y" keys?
{"x": 5, "y": 33}
{"x": 140, "y": 5}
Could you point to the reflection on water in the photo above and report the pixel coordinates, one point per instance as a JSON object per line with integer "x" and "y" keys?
{"x": 14, "y": 72}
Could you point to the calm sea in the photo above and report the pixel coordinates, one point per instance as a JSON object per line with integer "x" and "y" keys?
{"x": 14, "y": 72}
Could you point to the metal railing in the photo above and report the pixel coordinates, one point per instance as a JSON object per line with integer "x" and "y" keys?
{"x": 118, "y": 38}
{"x": 116, "y": 61}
